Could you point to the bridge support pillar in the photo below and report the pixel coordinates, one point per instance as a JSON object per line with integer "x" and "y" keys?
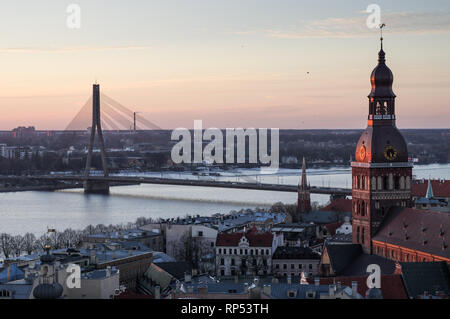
{"x": 94, "y": 187}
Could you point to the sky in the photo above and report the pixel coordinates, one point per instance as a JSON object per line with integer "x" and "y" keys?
{"x": 290, "y": 64}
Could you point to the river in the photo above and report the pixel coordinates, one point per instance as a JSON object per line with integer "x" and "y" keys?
{"x": 33, "y": 212}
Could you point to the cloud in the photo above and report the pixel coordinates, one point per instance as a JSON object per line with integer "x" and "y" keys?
{"x": 69, "y": 49}
{"x": 397, "y": 23}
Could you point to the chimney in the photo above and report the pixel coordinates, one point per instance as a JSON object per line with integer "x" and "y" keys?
{"x": 178, "y": 286}
{"x": 108, "y": 271}
{"x": 354, "y": 288}
{"x": 316, "y": 281}
{"x": 187, "y": 277}
{"x": 339, "y": 286}
{"x": 267, "y": 290}
{"x": 331, "y": 289}
{"x": 157, "y": 292}
{"x": 289, "y": 279}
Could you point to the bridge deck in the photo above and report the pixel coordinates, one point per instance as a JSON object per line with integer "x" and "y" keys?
{"x": 202, "y": 183}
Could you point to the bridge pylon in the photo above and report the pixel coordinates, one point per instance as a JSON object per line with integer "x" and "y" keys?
{"x": 96, "y": 187}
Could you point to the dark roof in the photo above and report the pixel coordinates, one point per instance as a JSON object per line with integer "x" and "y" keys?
{"x": 440, "y": 188}
{"x": 417, "y": 229}
{"x": 339, "y": 205}
{"x": 359, "y": 265}
{"x": 420, "y": 277}
{"x": 391, "y": 285}
{"x": 342, "y": 255}
{"x": 324, "y": 217}
{"x": 176, "y": 269}
{"x": 295, "y": 253}
{"x": 254, "y": 239}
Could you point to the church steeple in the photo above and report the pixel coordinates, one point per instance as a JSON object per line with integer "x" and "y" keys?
{"x": 304, "y": 196}
{"x": 381, "y": 172}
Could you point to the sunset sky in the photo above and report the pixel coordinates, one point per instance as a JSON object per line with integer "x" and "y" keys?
{"x": 230, "y": 63}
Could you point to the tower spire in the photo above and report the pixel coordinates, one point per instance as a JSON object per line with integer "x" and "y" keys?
{"x": 381, "y": 54}
{"x": 304, "y": 197}
{"x": 429, "y": 194}
{"x": 304, "y": 183}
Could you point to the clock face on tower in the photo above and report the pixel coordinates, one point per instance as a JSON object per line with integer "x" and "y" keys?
{"x": 390, "y": 153}
{"x": 362, "y": 152}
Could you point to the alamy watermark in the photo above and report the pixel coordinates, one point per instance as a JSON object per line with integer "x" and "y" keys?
{"x": 374, "y": 19}
{"x": 74, "y": 16}
{"x": 374, "y": 278}
{"x": 235, "y": 146}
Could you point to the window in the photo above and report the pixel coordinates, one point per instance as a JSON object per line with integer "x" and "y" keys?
{"x": 200, "y": 233}
{"x": 277, "y": 266}
{"x": 232, "y": 261}
{"x": 230, "y": 251}
{"x": 212, "y": 244}
{"x": 363, "y": 235}
{"x": 222, "y": 272}
{"x": 267, "y": 252}
{"x": 292, "y": 266}
{"x": 222, "y": 261}
{"x": 357, "y": 234}
{"x": 235, "y": 251}
{"x": 220, "y": 250}
{"x": 240, "y": 251}
{"x": 300, "y": 266}
{"x": 310, "y": 266}
{"x": 284, "y": 266}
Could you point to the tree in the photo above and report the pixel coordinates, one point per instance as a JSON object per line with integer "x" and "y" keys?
{"x": 6, "y": 245}
{"x": 17, "y": 245}
{"x": 29, "y": 243}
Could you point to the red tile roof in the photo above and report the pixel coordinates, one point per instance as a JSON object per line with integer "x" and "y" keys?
{"x": 440, "y": 188}
{"x": 391, "y": 285}
{"x": 255, "y": 239}
{"x": 339, "y": 205}
{"x": 331, "y": 228}
{"x": 409, "y": 228}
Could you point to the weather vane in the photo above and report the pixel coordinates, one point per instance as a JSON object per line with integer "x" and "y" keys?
{"x": 381, "y": 29}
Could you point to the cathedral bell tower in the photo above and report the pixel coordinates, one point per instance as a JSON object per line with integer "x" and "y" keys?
{"x": 381, "y": 173}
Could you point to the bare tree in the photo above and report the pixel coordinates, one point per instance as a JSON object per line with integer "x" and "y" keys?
{"x": 29, "y": 243}
{"x": 17, "y": 245}
{"x": 6, "y": 245}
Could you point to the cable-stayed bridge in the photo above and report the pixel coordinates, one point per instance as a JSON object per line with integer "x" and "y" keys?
{"x": 101, "y": 112}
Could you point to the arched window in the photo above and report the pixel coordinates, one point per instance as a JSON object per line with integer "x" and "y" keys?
{"x": 358, "y": 183}
{"x": 380, "y": 183}
{"x": 363, "y": 182}
{"x": 374, "y": 183}
{"x": 408, "y": 182}
{"x": 397, "y": 182}
{"x": 385, "y": 183}
{"x": 363, "y": 210}
{"x": 391, "y": 181}
{"x": 362, "y": 236}
{"x": 402, "y": 182}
